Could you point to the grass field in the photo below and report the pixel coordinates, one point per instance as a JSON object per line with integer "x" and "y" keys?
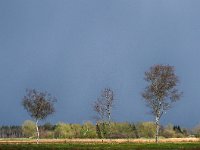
{"x": 99, "y": 144}
{"x": 108, "y": 146}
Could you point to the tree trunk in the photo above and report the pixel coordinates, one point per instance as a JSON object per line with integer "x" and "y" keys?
{"x": 109, "y": 123}
{"x": 157, "y": 128}
{"x": 109, "y": 118}
{"x": 98, "y": 130}
{"x": 37, "y": 130}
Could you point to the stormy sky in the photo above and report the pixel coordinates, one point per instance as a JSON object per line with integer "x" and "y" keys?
{"x": 75, "y": 48}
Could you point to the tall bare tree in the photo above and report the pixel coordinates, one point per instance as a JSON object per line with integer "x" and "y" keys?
{"x": 39, "y": 105}
{"x": 161, "y": 91}
{"x": 103, "y": 107}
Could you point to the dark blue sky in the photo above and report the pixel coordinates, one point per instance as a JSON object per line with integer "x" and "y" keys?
{"x": 75, "y": 48}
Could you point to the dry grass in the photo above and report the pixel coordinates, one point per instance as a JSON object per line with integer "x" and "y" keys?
{"x": 168, "y": 140}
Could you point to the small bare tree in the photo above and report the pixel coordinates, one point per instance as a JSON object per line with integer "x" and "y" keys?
{"x": 161, "y": 91}
{"x": 39, "y": 105}
{"x": 103, "y": 107}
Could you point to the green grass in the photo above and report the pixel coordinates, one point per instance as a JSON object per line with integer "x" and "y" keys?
{"x": 125, "y": 146}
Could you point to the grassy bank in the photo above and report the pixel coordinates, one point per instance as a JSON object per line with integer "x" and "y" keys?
{"x": 123, "y": 146}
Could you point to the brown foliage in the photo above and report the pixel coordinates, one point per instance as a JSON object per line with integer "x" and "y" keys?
{"x": 38, "y": 104}
{"x": 161, "y": 90}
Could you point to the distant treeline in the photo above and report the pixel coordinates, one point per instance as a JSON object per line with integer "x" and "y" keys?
{"x": 89, "y": 130}
{"x": 11, "y": 132}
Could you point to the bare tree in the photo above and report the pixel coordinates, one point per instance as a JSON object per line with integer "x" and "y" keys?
{"x": 39, "y": 105}
{"x": 103, "y": 107}
{"x": 161, "y": 91}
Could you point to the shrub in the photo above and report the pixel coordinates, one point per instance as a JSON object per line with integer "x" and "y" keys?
{"x": 167, "y": 133}
{"x": 123, "y": 130}
{"x": 28, "y": 128}
{"x": 88, "y": 130}
{"x": 146, "y": 129}
{"x": 63, "y": 130}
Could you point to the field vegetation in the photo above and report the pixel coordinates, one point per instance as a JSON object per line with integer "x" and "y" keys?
{"x": 124, "y": 146}
{"x": 88, "y": 130}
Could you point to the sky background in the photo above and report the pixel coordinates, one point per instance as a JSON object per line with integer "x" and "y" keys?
{"x": 75, "y": 48}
